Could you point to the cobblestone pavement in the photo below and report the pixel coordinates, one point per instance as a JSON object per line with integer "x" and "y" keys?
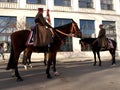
{"x": 74, "y": 75}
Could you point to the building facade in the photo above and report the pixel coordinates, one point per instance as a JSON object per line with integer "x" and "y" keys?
{"x": 88, "y": 14}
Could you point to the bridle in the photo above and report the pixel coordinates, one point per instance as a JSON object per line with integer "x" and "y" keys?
{"x": 72, "y": 34}
{"x": 73, "y": 29}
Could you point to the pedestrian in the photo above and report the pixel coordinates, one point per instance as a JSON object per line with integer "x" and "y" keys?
{"x": 2, "y": 51}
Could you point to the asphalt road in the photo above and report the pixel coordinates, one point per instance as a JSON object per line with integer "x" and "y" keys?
{"x": 74, "y": 75}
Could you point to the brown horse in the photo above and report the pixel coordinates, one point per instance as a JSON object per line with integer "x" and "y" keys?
{"x": 19, "y": 39}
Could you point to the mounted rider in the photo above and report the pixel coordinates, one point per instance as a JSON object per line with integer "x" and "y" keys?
{"x": 42, "y": 33}
{"x": 103, "y": 41}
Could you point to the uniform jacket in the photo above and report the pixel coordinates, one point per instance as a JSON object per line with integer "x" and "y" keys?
{"x": 42, "y": 36}
{"x": 102, "y": 40}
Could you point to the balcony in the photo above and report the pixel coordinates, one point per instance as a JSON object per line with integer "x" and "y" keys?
{"x": 34, "y": 6}
{"x": 8, "y": 5}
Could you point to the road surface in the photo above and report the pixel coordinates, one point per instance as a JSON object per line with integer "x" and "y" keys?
{"x": 74, "y": 75}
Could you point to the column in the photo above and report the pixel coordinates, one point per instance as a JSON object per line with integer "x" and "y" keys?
{"x": 97, "y": 5}
{"x": 75, "y": 4}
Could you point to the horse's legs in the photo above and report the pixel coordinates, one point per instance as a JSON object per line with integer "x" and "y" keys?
{"x": 45, "y": 58}
{"x": 112, "y": 52}
{"x": 54, "y": 63}
{"x": 25, "y": 60}
{"x": 94, "y": 58}
{"x": 16, "y": 67}
{"x": 98, "y": 54}
{"x": 48, "y": 65}
{"x": 29, "y": 61}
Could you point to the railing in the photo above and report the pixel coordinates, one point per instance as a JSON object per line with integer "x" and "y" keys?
{"x": 17, "y": 5}
{"x": 62, "y": 8}
{"x": 34, "y": 6}
{"x": 8, "y": 5}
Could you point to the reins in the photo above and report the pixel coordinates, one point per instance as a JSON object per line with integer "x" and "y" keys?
{"x": 69, "y": 35}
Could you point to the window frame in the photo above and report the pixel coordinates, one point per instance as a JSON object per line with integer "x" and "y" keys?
{"x": 86, "y": 30}
{"x": 10, "y": 1}
{"x": 87, "y": 4}
{"x": 32, "y": 23}
{"x": 110, "y": 33}
{"x": 68, "y": 45}
{"x": 106, "y": 4}
{"x": 66, "y": 3}
{"x": 42, "y": 2}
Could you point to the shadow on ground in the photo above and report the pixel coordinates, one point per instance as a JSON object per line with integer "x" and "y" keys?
{"x": 36, "y": 75}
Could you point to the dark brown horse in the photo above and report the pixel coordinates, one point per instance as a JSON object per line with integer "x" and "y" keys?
{"x": 19, "y": 39}
{"x": 96, "y": 49}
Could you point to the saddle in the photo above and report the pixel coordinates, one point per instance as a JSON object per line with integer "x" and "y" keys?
{"x": 107, "y": 45}
{"x": 40, "y": 36}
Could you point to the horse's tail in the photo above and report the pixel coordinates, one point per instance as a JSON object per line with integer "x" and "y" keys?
{"x": 11, "y": 62}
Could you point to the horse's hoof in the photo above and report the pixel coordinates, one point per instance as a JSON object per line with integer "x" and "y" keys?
{"x": 13, "y": 75}
{"x": 56, "y": 74}
{"x": 30, "y": 65}
{"x": 49, "y": 77}
{"x": 114, "y": 64}
{"x": 19, "y": 79}
{"x": 26, "y": 68}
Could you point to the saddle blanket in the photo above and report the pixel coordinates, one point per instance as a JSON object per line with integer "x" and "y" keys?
{"x": 30, "y": 39}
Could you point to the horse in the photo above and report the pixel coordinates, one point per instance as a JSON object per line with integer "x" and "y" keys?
{"x": 27, "y": 57}
{"x": 18, "y": 44}
{"x": 96, "y": 49}
{"x": 3, "y": 48}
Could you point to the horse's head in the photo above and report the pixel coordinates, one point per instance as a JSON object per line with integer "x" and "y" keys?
{"x": 75, "y": 30}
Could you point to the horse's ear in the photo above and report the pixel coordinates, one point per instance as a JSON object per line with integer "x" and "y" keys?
{"x": 73, "y": 20}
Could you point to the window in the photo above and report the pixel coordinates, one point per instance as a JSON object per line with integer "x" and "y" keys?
{"x": 62, "y": 2}
{"x": 7, "y": 26}
{"x": 14, "y": 1}
{"x": 30, "y": 22}
{"x": 110, "y": 29}
{"x": 88, "y": 29}
{"x": 36, "y": 1}
{"x": 86, "y": 3}
{"x": 107, "y": 4}
{"x": 68, "y": 44}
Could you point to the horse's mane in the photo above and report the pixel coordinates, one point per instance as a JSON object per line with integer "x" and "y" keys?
{"x": 63, "y": 26}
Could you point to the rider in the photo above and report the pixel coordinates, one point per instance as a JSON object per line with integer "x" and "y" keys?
{"x": 102, "y": 40}
{"x": 41, "y": 26}
{"x": 39, "y": 19}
